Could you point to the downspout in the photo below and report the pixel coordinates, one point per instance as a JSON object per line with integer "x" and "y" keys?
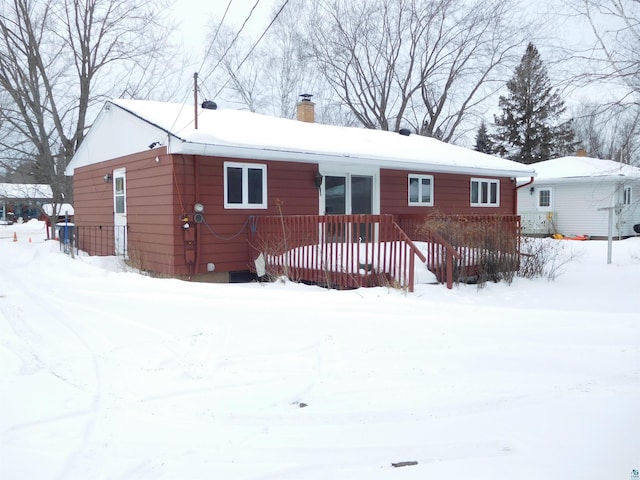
{"x": 515, "y": 197}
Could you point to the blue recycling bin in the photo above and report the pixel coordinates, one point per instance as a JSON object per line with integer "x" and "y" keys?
{"x": 66, "y": 231}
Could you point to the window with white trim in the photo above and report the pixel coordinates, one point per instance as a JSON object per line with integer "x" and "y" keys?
{"x": 485, "y": 192}
{"x": 626, "y": 195}
{"x": 245, "y": 185}
{"x": 421, "y": 190}
{"x": 544, "y": 198}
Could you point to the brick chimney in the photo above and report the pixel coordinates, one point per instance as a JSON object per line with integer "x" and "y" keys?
{"x": 306, "y": 109}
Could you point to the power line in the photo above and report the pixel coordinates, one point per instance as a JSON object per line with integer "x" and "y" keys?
{"x": 215, "y": 35}
{"x": 254, "y": 45}
{"x": 233, "y": 41}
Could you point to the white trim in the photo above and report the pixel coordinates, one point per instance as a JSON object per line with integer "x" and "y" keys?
{"x": 538, "y": 193}
{"x": 489, "y": 182}
{"x": 245, "y": 186}
{"x": 348, "y": 171}
{"x": 420, "y": 178}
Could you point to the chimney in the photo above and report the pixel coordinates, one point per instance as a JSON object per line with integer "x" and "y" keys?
{"x": 581, "y": 152}
{"x": 305, "y": 109}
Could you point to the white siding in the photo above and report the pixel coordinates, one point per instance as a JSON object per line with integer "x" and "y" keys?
{"x": 115, "y": 133}
{"x": 577, "y": 204}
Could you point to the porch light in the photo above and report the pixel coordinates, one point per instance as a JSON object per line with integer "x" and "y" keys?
{"x": 531, "y": 190}
{"x": 107, "y": 177}
{"x": 317, "y": 180}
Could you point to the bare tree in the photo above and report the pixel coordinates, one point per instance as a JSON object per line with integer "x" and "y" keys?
{"x": 58, "y": 59}
{"x": 267, "y": 73}
{"x": 427, "y": 63}
{"x": 614, "y": 56}
{"x": 609, "y": 132}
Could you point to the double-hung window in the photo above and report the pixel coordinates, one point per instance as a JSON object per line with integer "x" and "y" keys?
{"x": 485, "y": 192}
{"x": 245, "y": 185}
{"x": 421, "y": 190}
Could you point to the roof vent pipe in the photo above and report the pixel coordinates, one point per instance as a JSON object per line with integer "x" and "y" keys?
{"x": 209, "y": 105}
{"x": 404, "y": 131}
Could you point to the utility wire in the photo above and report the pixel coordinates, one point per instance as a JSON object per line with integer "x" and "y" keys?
{"x": 215, "y": 35}
{"x": 254, "y": 45}
{"x": 233, "y": 41}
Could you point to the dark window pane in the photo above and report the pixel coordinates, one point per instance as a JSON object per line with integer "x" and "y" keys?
{"x": 494, "y": 193}
{"x": 413, "y": 190}
{"x": 255, "y": 186}
{"x": 234, "y": 185}
{"x": 119, "y": 204}
{"x": 426, "y": 190}
{"x": 335, "y": 199}
{"x": 484, "y": 192}
{"x": 474, "y": 192}
{"x": 361, "y": 194}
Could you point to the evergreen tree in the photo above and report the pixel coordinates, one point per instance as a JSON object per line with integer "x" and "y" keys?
{"x": 529, "y": 129}
{"x": 484, "y": 143}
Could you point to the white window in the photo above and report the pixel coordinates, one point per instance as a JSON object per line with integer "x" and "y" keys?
{"x": 421, "y": 190}
{"x": 626, "y": 196}
{"x": 485, "y": 193}
{"x": 544, "y": 199}
{"x": 245, "y": 185}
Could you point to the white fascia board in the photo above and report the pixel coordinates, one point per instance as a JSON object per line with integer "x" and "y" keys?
{"x": 252, "y": 153}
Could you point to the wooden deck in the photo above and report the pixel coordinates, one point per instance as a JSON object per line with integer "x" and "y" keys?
{"x": 349, "y": 251}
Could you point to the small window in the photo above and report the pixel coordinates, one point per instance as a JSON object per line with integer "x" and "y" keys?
{"x": 544, "y": 198}
{"x": 421, "y": 190}
{"x": 485, "y": 193}
{"x": 245, "y": 185}
{"x": 626, "y": 196}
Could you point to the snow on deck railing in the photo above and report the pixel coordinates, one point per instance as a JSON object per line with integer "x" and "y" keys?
{"x": 336, "y": 250}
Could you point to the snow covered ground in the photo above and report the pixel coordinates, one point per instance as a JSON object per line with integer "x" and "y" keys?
{"x": 106, "y": 374}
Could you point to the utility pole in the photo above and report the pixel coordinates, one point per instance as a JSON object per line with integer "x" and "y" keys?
{"x": 195, "y": 100}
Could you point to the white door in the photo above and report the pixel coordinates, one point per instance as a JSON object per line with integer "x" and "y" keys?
{"x": 544, "y": 217}
{"x": 120, "y": 211}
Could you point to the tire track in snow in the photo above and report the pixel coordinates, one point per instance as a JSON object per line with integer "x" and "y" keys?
{"x": 19, "y": 320}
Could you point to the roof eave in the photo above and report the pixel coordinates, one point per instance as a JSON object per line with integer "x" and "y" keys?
{"x": 265, "y": 154}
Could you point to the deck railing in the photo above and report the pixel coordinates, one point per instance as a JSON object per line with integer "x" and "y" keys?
{"x": 334, "y": 250}
{"x": 466, "y": 244}
{"x": 538, "y": 223}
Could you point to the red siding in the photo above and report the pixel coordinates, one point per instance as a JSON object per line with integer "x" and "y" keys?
{"x": 451, "y": 195}
{"x": 161, "y": 193}
{"x": 223, "y": 235}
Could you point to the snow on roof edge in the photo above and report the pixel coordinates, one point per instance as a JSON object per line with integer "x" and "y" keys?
{"x": 247, "y": 135}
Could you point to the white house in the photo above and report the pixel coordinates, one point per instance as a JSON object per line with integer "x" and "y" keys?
{"x": 575, "y": 195}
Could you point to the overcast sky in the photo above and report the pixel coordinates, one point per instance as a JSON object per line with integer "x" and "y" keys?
{"x": 194, "y": 16}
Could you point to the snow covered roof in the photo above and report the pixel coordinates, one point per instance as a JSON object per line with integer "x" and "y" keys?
{"x": 566, "y": 169}
{"x": 61, "y": 209}
{"x": 25, "y": 190}
{"x": 242, "y": 134}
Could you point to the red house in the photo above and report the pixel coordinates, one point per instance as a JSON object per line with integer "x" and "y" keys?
{"x": 183, "y": 190}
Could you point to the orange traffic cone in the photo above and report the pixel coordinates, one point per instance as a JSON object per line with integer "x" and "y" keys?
{"x": 15, "y": 237}
{"x": 29, "y": 239}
